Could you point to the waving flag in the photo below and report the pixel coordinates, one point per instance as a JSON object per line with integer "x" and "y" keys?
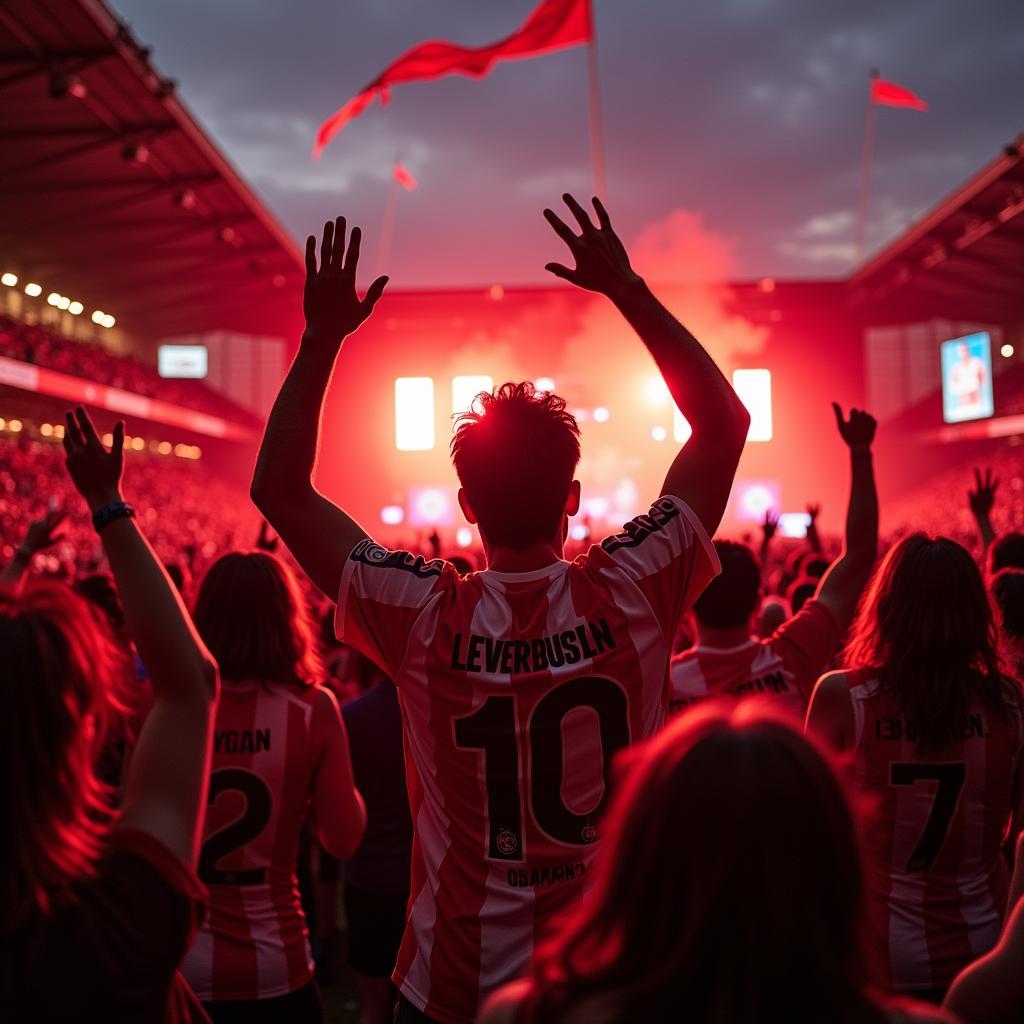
{"x": 404, "y": 177}
{"x": 889, "y": 94}
{"x": 553, "y": 25}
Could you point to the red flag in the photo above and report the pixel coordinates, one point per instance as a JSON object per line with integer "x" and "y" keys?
{"x": 889, "y": 94}
{"x": 403, "y": 177}
{"x": 553, "y": 25}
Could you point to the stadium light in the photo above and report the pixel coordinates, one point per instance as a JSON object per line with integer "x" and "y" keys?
{"x": 600, "y": 414}
{"x": 681, "y": 429}
{"x": 465, "y": 389}
{"x": 33, "y": 289}
{"x": 656, "y": 390}
{"x": 63, "y": 302}
{"x": 414, "y": 414}
{"x": 1006, "y": 351}
{"x": 392, "y": 515}
{"x": 109, "y": 321}
{"x": 544, "y": 384}
{"x": 9, "y": 279}
{"x": 75, "y": 308}
{"x": 97, "y": 316}
{"x": 53, "y": 299}
{"x": 658, "y": 433}
{"x": 754, "y": 388}
{"x": 463, "y": 536}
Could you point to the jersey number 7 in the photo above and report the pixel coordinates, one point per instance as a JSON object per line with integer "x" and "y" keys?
{"x": 493, "y": 729}
{"x": 950, "y": 777}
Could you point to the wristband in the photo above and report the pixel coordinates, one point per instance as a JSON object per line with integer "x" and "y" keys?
{"x": 106, "y": 515}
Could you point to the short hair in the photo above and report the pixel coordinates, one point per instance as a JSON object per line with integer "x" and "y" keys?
{"x": 1006, "y": 553}
{"x": 1008, "y": 593}
{"x": 515, "y": 459}
{"x": 801, "y": 591}
{"x": 731, "y": 598}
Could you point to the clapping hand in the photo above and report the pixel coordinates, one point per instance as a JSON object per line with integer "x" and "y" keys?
{"x": 95, "y": 471}
{"x": 602, "y": 263}
{"x": 330, "y": 302}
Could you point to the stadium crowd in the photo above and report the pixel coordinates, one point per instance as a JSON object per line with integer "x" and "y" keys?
{"x": 669, "y": 778}
{"x": 45, "y": 346}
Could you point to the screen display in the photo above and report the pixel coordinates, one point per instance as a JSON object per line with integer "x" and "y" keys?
{"x": 794, "y": 524}
{"x": 182, "y": 361}
{"x": 967, "y": 378}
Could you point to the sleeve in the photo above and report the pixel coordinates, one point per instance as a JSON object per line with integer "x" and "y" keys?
{"x": 667, "y": 554}
{"x": 382, "y": 594}
{"x": 807, "y": 643}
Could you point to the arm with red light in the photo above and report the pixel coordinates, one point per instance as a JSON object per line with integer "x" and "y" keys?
{"x": 703, "y": 471}
{"x": 981, "y": 500}
{"x": 318, "y": 533}
{"x": 41, "y": 533}
{"x": 846, "y": 577}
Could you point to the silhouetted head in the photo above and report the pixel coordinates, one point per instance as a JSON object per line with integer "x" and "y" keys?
{"x": 1008, "y": 592}
{"x": 1007, "y": 552}
{"x": 815, "y": 566}
{"x": 800, "y": 592}
{"x": 729, "y": 887}
{"x": 732, "y": 597}
{"x": 100, "y": 592}
{"x": 180, "y": 576}
{"x": 925, "y": 626}
{"x": 253, "y": 617}
{"x": 515, "y": 459}
{"x": 58, "y": 671}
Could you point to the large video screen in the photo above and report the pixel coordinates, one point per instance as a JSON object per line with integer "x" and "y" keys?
{"x": 967, "y": 378}
{"x": 182, "y": 361}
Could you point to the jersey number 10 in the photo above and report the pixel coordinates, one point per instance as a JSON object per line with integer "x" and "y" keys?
{"x": 492, "y": 728}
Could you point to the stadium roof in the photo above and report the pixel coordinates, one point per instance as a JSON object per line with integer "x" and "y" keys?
{"x": 963, "y": 260}
{"x": 112, "y": 194}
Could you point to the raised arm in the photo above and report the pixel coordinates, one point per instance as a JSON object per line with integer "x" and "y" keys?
{"x": 769, "y": 527}
{"x": 845, "y": 578}
{"x": 981, "y": 500}
{"x": 165, "y": 791}
{"x": 318, "y": 533}
{"x": 40, "y": 533}
{"x": 703, "y": 471}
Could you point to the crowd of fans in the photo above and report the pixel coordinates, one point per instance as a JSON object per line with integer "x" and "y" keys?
{"x": 670, "y": 778}
{"x": 45, "y": 346}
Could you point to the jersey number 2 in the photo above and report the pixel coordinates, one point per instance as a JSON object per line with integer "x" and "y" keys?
{"x": 950, "y": 777}
{"x": 492, "y": 729}
{"x": 234, "y": 836}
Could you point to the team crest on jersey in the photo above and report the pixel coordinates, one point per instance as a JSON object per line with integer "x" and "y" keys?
{"x": 507, "y": 842}
{"x": 380, "y": 557}
{"x": 588, "y": 833}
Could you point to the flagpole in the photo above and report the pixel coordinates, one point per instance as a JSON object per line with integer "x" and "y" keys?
{"x": 596, "y": 132}
{"x": 387, "y": 227}
{"x": 865, "y": 173}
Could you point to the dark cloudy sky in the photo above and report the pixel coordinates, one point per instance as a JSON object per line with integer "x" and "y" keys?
{"x": 749, "y": 112}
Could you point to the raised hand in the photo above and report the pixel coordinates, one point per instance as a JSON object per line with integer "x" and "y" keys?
{"x": 264, "y": 542}
{"x": 330, "y": 302}
{"x": 859, "y": 430}
{"x": 602, "y": 264}
{"x": 42, "y": 533}
{"x": 813, "y": 510}
{"x": 95, "y": 472}
{"x": 771, "y": 523}
{"x": 983, "y": 497}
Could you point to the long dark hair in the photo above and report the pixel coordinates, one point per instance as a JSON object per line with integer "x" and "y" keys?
{"x": 253, "y": 617}
{"x": 925, "y": 627}
{"x": 730, "y": 887}
{"x": 59, "y": 673}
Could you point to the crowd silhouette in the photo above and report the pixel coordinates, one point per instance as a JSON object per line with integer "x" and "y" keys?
{"x": 659, "y": 778}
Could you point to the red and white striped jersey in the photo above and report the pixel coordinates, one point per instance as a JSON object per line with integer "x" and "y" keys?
{"x": 937, "y": 881}
{"x": 516, "y": 689}
{"x": 784, "y": 667}
{"x": 254, "y": 942}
